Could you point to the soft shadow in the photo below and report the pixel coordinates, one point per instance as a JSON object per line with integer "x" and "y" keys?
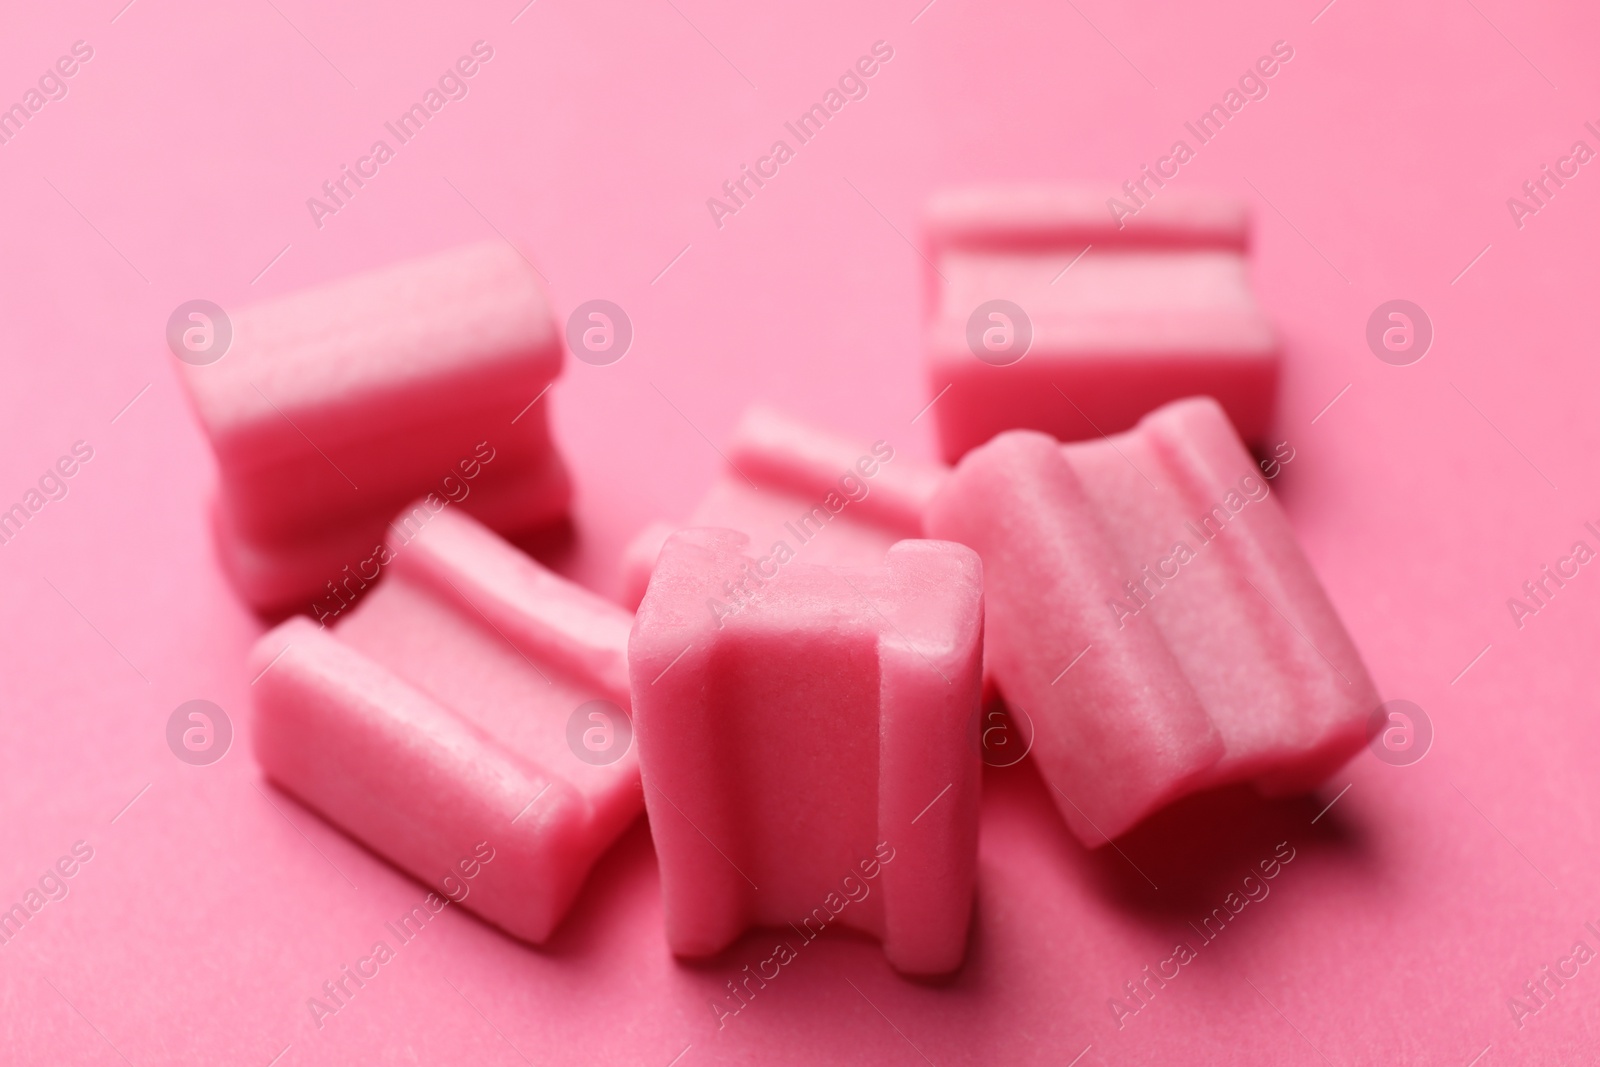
{"x": 554, "y": 545}
{"x": 1191, "y": 854}
{"x": 757, "y": 942}
{"x": 614, "y": 878}
{"x": 1271, "y": 465}
{"x": 630, "y": 860}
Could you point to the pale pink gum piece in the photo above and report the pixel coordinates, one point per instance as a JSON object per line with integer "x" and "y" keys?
{"x": 434, "y": 715}
{"x": 335, "y": 406}
{"x": 833, "y": 715}
{"x": 782, "y": 470}
{"x": 1156, "y": 310}
{"x": 1232, "y": 666}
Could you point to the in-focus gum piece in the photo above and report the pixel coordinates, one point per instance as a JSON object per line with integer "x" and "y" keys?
{"x": 1158, "y": 308}
{"x": 335, "y": 406}
{"x": 809, "y": 751}
{"x": 785, "y": 480}
{"x": 1202, "y": 648}
{"x": 435, "y": 715}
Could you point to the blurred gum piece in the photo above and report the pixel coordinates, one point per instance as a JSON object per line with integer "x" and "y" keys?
{"x": 826, "y": 497}
{"x": 336, "y": 405}
{"x": 1124, "y": 314}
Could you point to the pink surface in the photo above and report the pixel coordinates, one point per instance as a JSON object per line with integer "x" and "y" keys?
{"x": 434, "y": 721}
{"x": 1421, "y": 901}
{"x": 801, "y": 725}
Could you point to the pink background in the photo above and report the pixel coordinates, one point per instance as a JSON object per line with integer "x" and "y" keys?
{"x": 1413, "y": 909}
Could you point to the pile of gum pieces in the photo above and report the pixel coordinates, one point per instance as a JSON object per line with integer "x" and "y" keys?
{"x": 801, "y": 686}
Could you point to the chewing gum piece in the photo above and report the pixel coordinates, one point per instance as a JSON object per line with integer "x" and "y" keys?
{"x": 1125, "y": 312}
{"x": 1151, "y": 611}
{"x": 454, "y": 705}
{"x": 809, "y": 746}
{"x": 334, "y": 406}
{"x": 834, "y": 500}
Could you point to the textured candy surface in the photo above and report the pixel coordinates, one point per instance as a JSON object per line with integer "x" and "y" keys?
{"x": 808, "y": 745}
{"x": 1118, "y": 316}
{"x": 786, "y": 480}
{"x": 437, "y": 715}
{"x": 1150, "y": 610}
{"x": 334, "y": 406}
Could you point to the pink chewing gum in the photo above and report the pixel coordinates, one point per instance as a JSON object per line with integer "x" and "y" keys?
{"x": 1158, "y": 308}
{"x": 1152, "y": 613}
{"x": 786, "y": 480}
{"x": 808, "y": 745}
{"x": 472, "y": 697}
{"x": 335, "y": 406}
